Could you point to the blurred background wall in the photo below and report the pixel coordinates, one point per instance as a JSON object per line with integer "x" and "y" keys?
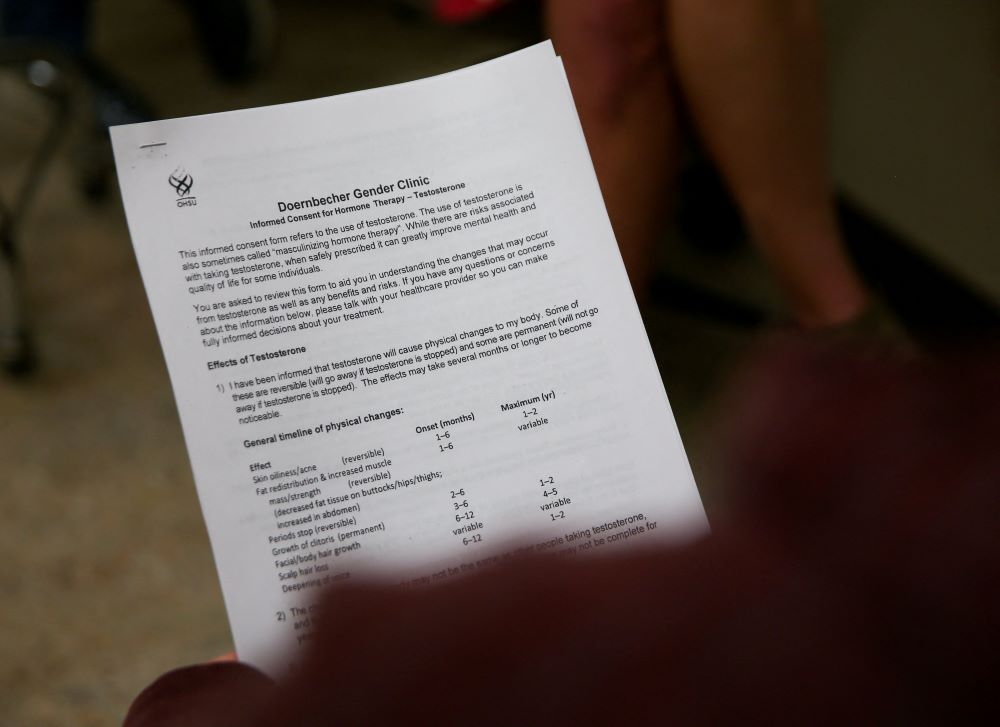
{"x": 916, "y": 124}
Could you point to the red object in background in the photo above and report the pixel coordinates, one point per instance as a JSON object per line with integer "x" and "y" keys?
{"x": 463, "y": 11}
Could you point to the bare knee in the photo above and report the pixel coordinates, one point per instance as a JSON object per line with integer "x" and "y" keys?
{"x": 743, "y": 16}
{"x": 610, "y": 47}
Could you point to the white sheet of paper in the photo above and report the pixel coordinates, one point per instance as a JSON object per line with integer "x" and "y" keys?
{"x": 401, "y": 339}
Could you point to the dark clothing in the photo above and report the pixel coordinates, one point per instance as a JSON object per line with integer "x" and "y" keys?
{"x": 63, "y": 23}
{"x": 857, "y": 580}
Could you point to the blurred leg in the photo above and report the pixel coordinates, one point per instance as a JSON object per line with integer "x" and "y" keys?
{"x": 616, "y": 59}
{"x": 751, "y": 72}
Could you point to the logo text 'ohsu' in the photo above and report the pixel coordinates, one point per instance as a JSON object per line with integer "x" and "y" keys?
{"x": 182, "y": 182}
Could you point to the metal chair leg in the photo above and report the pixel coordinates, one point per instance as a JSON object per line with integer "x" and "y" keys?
{"x": 18, "y": 355}
{"x": 17, "y": 350}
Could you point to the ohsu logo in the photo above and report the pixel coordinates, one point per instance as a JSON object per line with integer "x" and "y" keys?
{"x": 182, "y": 182}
